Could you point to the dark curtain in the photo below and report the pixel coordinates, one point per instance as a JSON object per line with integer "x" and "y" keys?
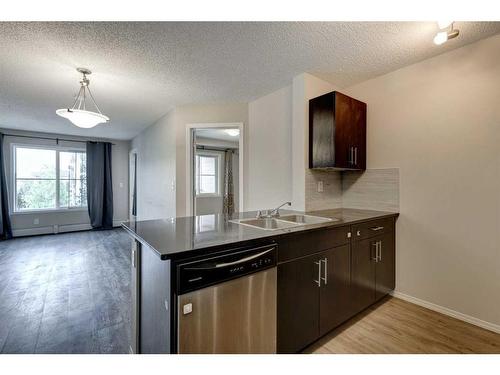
{"x": 5, "y": 226}
{"x": 99, "y": 185}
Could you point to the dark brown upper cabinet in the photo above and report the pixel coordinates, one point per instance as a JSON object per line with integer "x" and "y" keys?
{"x": 337, "y": 132}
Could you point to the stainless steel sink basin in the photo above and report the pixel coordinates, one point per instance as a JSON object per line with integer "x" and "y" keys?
{"x": 283, "y": 222}
{"x": 306, "y": 219}
{"x": 266, "y": 223}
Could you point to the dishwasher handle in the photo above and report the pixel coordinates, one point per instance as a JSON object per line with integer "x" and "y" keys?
{"x": 232, "y": 263}
{"x": 210, "y": 271}
{"x": 239, "y": 261}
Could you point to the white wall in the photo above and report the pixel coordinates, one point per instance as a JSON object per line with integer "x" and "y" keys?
{"x": 269, "y": 173}
{"x": 155, "y": 148}
{"x": 23, "y": 223}
{"x": 161, "y": 150}
{"x": 438, "y": 121}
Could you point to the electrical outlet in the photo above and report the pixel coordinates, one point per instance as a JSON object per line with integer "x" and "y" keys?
{"x": 320, "y": 186}
{"x": 36, "y": 221}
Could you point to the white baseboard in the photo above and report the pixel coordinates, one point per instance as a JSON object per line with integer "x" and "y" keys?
{"x": 32, "y": 231}
{"x": 118, "y": 223}
{"x": 53, "y": 229}
{"x": 446, "y": 311}
{"x": 73, "y": 227}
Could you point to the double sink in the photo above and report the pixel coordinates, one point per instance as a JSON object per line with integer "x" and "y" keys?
{"x": 283, "y": 222}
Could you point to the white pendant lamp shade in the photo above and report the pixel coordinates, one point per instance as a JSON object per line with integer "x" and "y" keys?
{"x": 78, "y": 113}
{"x": 81, "y": 118}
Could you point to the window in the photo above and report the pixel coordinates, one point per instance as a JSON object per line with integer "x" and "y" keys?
{"x": 72, "y": 179}
{"x": 207, "y": 174}
{"x": 49, "y": 179}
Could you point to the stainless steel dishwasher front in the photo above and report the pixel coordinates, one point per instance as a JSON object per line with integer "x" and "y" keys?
{"x": 234, "y": 316}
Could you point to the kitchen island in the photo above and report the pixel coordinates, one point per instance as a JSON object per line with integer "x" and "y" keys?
{"x": 324, "y": 274}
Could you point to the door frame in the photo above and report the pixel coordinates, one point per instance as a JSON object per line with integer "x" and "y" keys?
{"x": 190, "y": 128}
{"x": 131, "y": 154}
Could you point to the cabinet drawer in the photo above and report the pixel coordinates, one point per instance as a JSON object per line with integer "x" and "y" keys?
{"x": 301, "y": 244}
{"x": 372, "y": 228}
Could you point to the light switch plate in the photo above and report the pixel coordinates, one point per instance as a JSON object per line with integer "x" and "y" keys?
{"x": 320, "y": 186}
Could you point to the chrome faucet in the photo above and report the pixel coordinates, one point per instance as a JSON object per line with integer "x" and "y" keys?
{"x": 272, "y": 213}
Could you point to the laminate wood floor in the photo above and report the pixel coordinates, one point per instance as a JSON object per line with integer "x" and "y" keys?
{"x": 65, "y": 293}
{"x": 395, "y": 326}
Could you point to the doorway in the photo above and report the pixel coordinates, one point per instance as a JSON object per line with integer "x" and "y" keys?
{"x": 215, "y": 169}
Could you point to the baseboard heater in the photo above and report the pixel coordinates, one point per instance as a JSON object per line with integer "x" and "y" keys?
{"x": 56, "y": 228}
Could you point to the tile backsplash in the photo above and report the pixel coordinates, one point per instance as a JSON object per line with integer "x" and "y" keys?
{"x": 373, "y": 189}
{"x": 331, "y": 197}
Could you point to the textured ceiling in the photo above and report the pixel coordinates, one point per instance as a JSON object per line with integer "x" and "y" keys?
{"x": 142, "y": 70}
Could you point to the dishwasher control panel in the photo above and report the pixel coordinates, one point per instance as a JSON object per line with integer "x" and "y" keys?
{"x": 216, "y": 269}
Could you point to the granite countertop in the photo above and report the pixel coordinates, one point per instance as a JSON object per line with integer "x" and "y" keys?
{"x": 184, "y": 236}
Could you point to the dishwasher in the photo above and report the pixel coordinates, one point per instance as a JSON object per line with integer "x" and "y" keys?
{"x": 227, "y": 303}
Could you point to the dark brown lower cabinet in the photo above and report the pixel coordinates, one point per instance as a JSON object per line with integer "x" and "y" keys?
{"x": 318, "y": 292}
{"x": 385, "y": 266}
{"x": 335, "y": 290}
{"x": 313, "y": 297}
{"x": 373, "y": 270}
{"x": 363, "y": 274}
{"x": 298, "y": 303}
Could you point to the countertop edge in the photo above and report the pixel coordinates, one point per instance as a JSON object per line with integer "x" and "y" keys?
{"x": 280, "y": 233}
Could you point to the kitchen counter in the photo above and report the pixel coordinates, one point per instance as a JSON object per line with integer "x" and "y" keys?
{"x": 179, "y": 237}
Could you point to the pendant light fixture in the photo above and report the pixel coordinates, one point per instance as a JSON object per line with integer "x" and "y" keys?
{"x": 78, "y": 113}
{"x": 444, "y": 35}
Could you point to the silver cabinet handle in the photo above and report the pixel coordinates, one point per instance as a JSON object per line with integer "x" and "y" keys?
{"x": 319, "y": 273}
{"x": 325, "y": 270}
{"x": 134, "y": 259}
{"x": 380, "y": 251}
{"x": 377, "y": 228}
{"x": 375, "y": 244}
{"x": 358, "y": 233}
{"x": 355, "y": 156}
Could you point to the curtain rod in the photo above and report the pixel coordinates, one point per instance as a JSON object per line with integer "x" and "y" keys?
{"x": 47, "y": 138}
{"x": 209, "y": 148}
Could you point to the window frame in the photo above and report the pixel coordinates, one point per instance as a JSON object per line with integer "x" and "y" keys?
{"x": 13, "y": 183}
{"x": 218, "y": 174}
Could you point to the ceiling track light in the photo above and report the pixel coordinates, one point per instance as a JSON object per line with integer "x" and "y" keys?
{"x": 78, "y": 113}
{"x": 443, "y": 36}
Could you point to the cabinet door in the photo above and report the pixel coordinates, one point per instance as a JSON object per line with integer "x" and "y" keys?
{"x": 350, "y": 132}
{"x": 335, "y": 291}
{"x": 385, "y": 274}
{"x": 363, "y": 273}
{"x": 298, "y": 304}
{"x": 358, "y": 130}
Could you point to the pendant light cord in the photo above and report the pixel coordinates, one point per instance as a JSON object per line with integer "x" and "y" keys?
{"x": 82, "y": 96}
